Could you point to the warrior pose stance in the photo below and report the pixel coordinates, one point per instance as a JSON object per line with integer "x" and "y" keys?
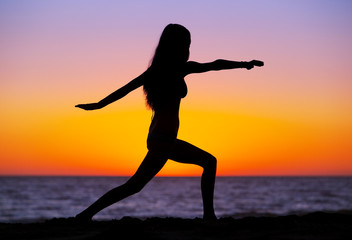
{"x": 164, "y": 86}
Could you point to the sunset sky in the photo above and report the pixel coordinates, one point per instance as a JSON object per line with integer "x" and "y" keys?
{"x": 291, "y": 117}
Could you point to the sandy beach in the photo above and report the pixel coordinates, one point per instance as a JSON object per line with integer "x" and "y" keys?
{"x": 317, "y": 225}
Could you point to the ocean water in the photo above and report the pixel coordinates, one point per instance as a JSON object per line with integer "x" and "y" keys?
{"x": 27, "y": 199}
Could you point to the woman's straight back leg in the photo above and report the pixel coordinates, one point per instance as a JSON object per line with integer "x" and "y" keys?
{"x": 151, "y": 165}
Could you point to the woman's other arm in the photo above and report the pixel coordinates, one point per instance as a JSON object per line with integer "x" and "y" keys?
{"x": 119, "y": 93}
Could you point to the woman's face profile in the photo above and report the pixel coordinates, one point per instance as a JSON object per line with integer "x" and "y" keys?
{"x": 183, "y": 51}
{"x": 185, "y": 54}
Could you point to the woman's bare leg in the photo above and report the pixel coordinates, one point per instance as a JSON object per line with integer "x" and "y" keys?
{"x": 151, "y": 165}
{"x": 185, "y": 152}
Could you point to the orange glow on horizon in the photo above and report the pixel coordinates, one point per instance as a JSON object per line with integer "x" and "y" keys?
{"x": 113, "y": 142}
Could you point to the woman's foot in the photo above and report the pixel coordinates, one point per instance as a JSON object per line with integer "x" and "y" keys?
{"x": 83, "y": 217}
{"x": 210, "y": 217}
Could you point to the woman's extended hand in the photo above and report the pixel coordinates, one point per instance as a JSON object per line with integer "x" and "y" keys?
{"x": 253, "y": 63}
{"x": 257, "y": 63}
{"x": 89, "y": 106}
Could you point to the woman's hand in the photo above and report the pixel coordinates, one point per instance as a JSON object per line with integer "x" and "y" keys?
{"x": 257, "y": 63}
{"x": 253, "y": 63}
{"x": 89, "y": 106}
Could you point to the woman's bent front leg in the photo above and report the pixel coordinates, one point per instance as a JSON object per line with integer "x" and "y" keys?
{"x": 184, "y": 152}
{"x": 151, "y": 165}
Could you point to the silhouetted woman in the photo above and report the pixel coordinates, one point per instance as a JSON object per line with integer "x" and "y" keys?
{"x": 164, "y": 86}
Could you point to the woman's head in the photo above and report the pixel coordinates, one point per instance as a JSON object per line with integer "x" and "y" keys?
{"x": 173, "y": 47}
{"x": 171, "y": 53}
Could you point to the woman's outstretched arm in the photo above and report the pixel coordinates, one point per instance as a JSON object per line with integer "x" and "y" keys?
{"x": 220, "y": 64}
{"x": 119, "y": 93}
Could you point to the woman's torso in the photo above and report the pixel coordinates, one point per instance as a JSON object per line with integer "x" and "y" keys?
{"x": 165, "y": 121}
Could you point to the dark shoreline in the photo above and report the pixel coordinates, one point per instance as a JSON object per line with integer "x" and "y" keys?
{"x": 317, "y": 225}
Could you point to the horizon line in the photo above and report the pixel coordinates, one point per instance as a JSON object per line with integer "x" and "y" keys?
{"x": 168, "y": 176}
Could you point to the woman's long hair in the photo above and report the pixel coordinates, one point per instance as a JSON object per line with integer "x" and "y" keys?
{"x": 170, "y": 54}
